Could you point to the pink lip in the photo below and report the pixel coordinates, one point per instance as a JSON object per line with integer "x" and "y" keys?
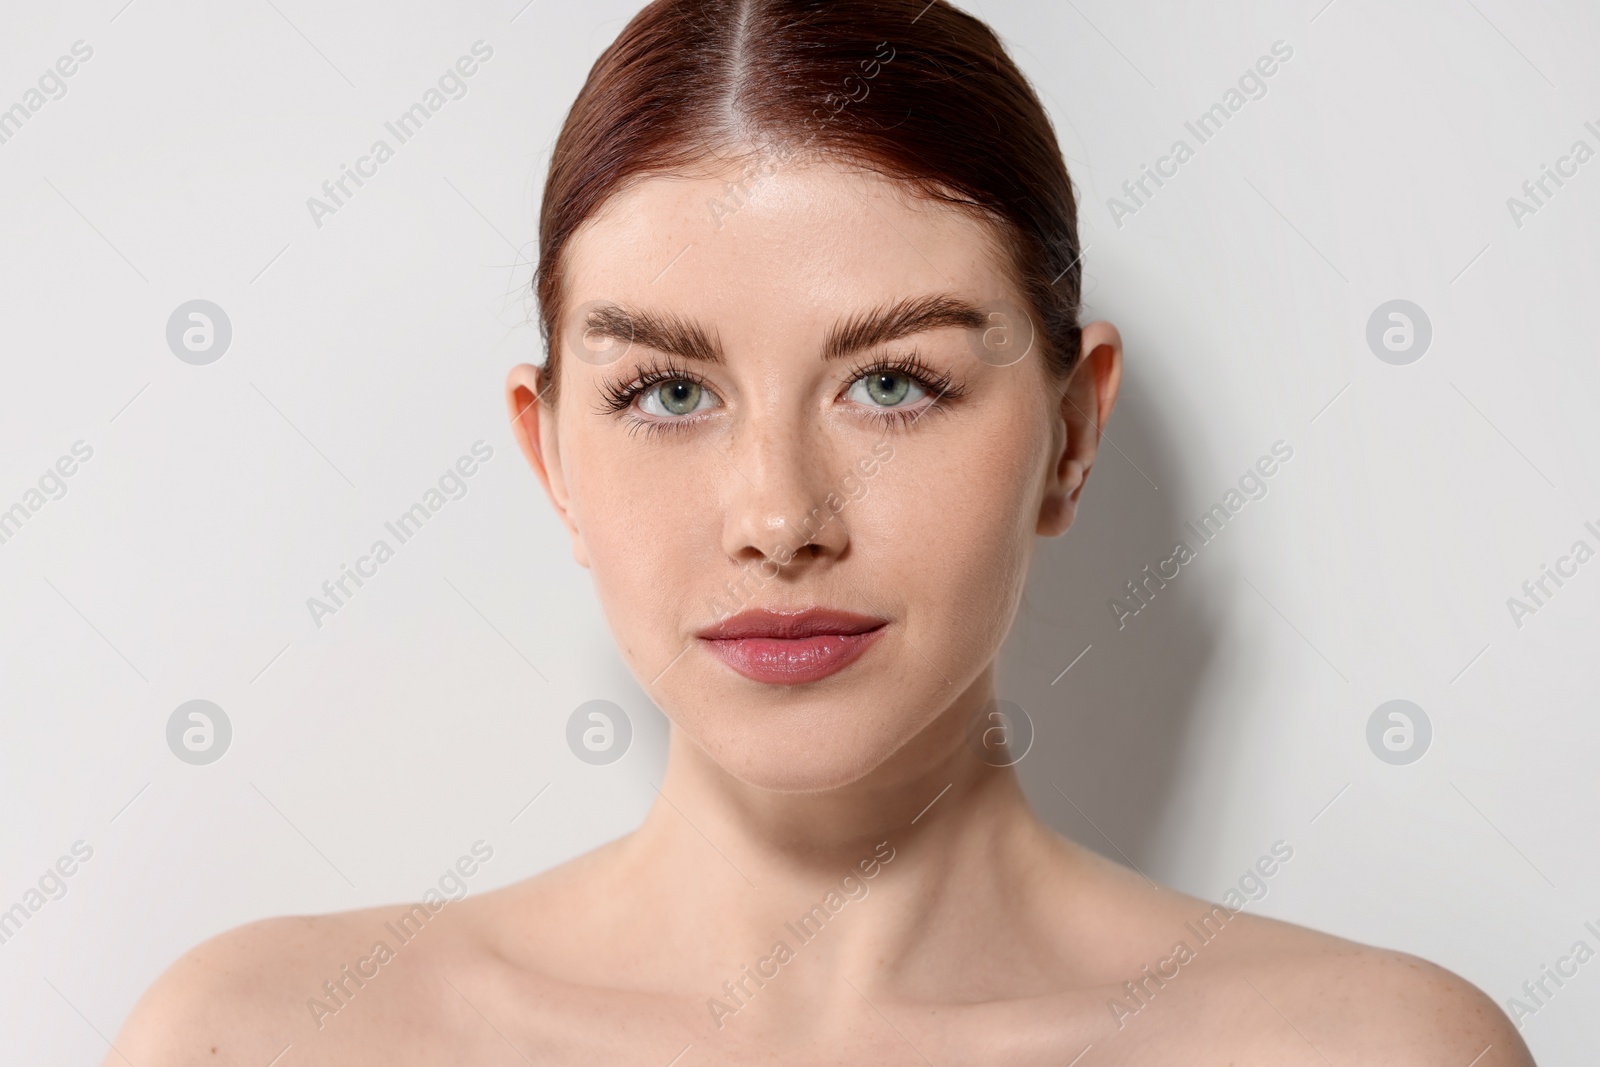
{"x": 791, "y": 648}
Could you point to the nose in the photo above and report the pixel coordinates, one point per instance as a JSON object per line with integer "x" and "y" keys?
{"x": 784, "y": 501}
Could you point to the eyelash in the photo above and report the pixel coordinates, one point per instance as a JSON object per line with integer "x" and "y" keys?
{"x": 618, "y": 396}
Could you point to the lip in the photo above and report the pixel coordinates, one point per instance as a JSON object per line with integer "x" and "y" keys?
{"x": 792, "y": 647}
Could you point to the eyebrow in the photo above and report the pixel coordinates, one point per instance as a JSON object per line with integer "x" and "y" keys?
{"x": 674, "y": 335}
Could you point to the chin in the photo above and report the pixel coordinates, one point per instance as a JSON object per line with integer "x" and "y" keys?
{"x": 807, "y": 748}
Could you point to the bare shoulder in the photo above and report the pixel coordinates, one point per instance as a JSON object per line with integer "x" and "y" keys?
{"x": 225, "y": 995}
{"x": 371, "y": 986}
{"x": 1249, "y": 982}
{"x": 252, "y": 993}
{"x": 1358, "y": 1003}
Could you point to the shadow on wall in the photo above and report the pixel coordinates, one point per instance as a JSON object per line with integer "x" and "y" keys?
{"x": 1110, "y": 733}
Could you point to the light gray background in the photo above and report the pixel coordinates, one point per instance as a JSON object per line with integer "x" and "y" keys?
{"x": 368, "y": 354}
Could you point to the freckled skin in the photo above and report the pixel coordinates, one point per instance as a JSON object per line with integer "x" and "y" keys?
{"x": 986, "y": 938}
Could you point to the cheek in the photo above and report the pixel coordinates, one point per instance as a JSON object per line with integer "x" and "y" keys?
{"x": 960, "y": 525}
{"x": 652, "y": 533}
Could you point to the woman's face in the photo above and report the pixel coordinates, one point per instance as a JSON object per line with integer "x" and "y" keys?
{"x": 824, "y": 423}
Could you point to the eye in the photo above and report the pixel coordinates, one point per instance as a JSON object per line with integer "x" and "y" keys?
{"x": 673, "y": 398}
{"x": 886, "y": 388}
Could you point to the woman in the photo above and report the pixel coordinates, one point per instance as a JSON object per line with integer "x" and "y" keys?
{"x": 809, "y": 284}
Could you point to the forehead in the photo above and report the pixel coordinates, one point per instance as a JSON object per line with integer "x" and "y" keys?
{"x": 787, "y": 254}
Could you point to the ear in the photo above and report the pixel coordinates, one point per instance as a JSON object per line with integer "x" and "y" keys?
{"x": 1086, "y": 404}
{"x": 533, "y": 421}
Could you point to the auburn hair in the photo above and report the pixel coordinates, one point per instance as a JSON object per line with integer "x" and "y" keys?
{"x": 917, "y": 91}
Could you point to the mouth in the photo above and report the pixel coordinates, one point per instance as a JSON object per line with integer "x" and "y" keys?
{"x": 793, "y": 647}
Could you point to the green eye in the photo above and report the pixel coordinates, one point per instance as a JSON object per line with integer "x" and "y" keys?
{"x": 677, "y": 397}
{"x": 885, "y": 389}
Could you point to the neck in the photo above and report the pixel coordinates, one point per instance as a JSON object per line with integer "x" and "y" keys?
{"x": 935, "y": 837}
